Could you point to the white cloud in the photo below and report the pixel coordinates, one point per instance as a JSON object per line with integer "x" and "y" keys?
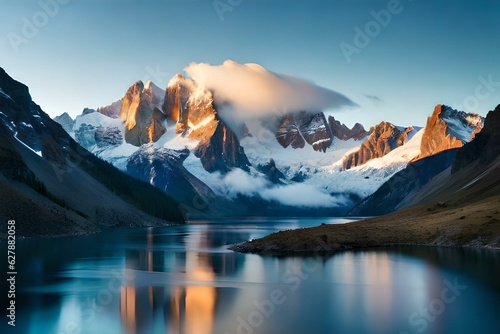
{"x": 248, "y": 91}
{"x": 299, "y": 194}
{"x": 238, "y": 182}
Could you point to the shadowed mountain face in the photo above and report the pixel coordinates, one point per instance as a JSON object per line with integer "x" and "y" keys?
{"x": 222, "y": 151}
{"x": 163, "y": 168}
{"x": 311, "y": 128}
{"x": 342, "y": 132}
{"x": 404, "y": 183}
{"x": 297, "y": 129}
{"x": 486, "y": 144}
{"x": 42, "y": 165}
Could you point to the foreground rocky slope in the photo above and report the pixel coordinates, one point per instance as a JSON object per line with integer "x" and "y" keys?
{"x": 53, "y": 186}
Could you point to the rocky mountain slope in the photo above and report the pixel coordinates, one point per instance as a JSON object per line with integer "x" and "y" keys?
{"x": 384, "y": 138}
{"x": 447, "y": 128}
{"x": 303, "y": 127}
{"x": 44, "y": 171}
{"x": 341, "y": 131}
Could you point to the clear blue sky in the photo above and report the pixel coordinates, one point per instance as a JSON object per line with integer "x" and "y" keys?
{"x": 432, "y": 51}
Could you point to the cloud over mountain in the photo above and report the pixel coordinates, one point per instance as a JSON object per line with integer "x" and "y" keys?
{"x": 250, "y": 91}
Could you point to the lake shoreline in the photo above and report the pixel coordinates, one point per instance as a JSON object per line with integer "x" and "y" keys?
{"x": 475, "y": 225}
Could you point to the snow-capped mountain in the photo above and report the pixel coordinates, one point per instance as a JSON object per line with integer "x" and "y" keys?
{"x": 384, "y": 138}
{"x": 448, "y": 128}
{"x": 446, "y": 131}
{"x": 299, "y": 159}
{"x": 466, "y": 174}
{"x": 66, "y": 122}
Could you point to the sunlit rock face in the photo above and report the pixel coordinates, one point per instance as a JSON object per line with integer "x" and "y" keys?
{"x": 192, "y": 109}
{"x": 448, "y": 128}
{"x": 179, "y": 91}
{"x": 113, "y": 110}
{"x": 384, "y": 138}
{"x": 141, "y": 114}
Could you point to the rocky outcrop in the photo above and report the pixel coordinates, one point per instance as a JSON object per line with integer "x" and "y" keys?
{"x": 220, "y": 150}
{"x": 141, "y": 114}
{"x": 272, "y": 172}
{"x": 87, "y": 111}
{"x": 384, "y": 138}
{"x": 342, "y": 132}
{"x": 179, "y": 90}
{"x": 303, "y": 127}
{"x": 113, "y": 110}
{"x": 486, "y": 145}
{"x": 192, "y": 109}
{"x": 447, "y": 128}
{"x": 66, "y": 122}
{"x": 85, "y": 135}
{"x": 110, "y": 136}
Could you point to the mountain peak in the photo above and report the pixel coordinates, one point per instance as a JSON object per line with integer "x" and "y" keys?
{"x": 448, "y": 128}
{"x": 175, "y": 80}
{"x": 140, "y": 110}
{"x": 384, "y": 137}
{"x": 341, "y": 131}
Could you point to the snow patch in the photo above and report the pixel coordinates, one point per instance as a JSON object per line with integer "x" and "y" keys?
{"x": 97, "y": 119}
{"x": 4, "y": 94}
{"x": 460, "y": 124}
{"x": 39, "y": 153}
{"x": 202, "y": 123}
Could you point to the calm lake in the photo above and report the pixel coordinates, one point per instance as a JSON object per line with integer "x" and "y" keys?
{"x": 183, "y": 279}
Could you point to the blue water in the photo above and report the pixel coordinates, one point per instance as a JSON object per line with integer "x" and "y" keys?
{"x": 183, "y": 279}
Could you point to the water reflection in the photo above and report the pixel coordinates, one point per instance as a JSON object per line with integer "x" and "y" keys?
{"x": 183, "y": 280}
{"x": 192, "y": 307}
{"x": 188, "y": 309}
